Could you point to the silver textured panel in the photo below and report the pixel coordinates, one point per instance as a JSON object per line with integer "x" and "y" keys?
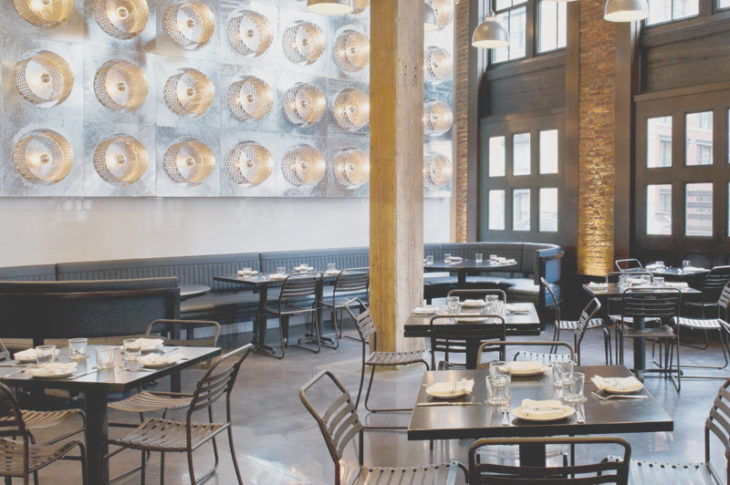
{"x": 44, "y": 13}
{"x": 352, "y": 168}
{"x": 438, "y": 64}
{"x": 437, "y": 170}
{"x": 250, "y": 33}
{"x": 189, "y": 161}
{"x": 121, "y": 19}
{"x": 351, "y": 109}
{"x": 43, "y": 157}
{"x": 189, "y": 25}
{"x": 120, "y": 85}
{"x": 303, "y": 42}
{"x": 304, "y": 104}
{"x": 249, "y": 163}
{"x": 303, "y": 165}
{"x": 437, "y": 117}
{"x": 44, "y": 79}
{"x": 121, "y": 160}
{"x": 351, "y": 51}
{"x": 250, "y": 99}
{"x": 189, "y": 93}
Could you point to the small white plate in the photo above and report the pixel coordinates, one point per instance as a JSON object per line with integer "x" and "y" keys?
{"x": 536, "y": 369}
{"x": 473, "y": 303}
{"x": 521, "y": 413}
{"x": 442, "y": 390}
{"x": 277, "y": 276}
{"x": 623, "y": 390}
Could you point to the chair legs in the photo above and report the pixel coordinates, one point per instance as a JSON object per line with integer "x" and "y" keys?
{"x": 370, "y": 385}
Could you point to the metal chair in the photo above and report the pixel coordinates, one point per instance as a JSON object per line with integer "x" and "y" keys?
{"x": 298, "y": 296}
{"x": 164, "y": 435}
{"x": 718, "y": 424}
{"x": 349, "y": 283}
{"x": 592, "y": 472}
{"x": 482, "y": 292}
{"x": 628, "y": 265}
{"x": 19, "y": 455}
{"x": 462, "y": 338}
{"x": 339, "y": 423}
{"x": 375, "y": 358}
{"x": 712, "y": 286}
{"x": 658, "y": 305}
{"x": 546, "y": 358}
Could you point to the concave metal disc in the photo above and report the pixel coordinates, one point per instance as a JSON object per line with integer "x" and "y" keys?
{"x": 444, "y": 10}
{"x": 352, "y": 51}
{"x": 44, "y": 13}
{"x": 437, "y": 64}
{"x": 303, "y": 165}
{"x": 437, "y": 117}
{"x": 121, "y": 160}
{"x": 436, "y": 170}
{"x": 304, "y": 104}
{"x": 303, "y": 42}
{"x": 120, "y": 85}
{"x": 189, "y": 93}
{"x": 250, "y": 99}
{"x": 189, "y": 162}
{"x": 249, "y": 163}
{"x": 250, "y": 33}
{"x": 352, "y": 109}
{"x": 122, "y": 19}
{"x": 43, "y": 157}
{"x": 44, "y": 79}
{"x": 360, "y": 6}
{"x": 190, "y": 24}
{"x": 352, "y": 168}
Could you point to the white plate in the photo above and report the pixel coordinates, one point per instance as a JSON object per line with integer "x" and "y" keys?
{"x": 623, "y": 390}
{"x": 277, "y": 276}
{"x": 443, "y": 393}
{"x": 520, "y": 413}
{"x": 54, "y": 376}
{"x": 536, "y": 369}
{"x": 156, "y": 364}
{"x": 424, "y": 310}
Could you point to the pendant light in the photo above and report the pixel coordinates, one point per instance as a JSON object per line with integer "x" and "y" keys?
{"x": 330, "y": 7}
{"x": 430, "y": 22}
{"x": 490, "y": 34}
{"x": 625, "y": 10}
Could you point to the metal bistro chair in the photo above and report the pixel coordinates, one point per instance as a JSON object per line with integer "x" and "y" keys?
{"x": 350, "y": 283}
{"x": 480, "y": 292}
{"x": 629, "y": 265}
{"x": 458, "y": 338}
{"x": 712, "y": 286}
{"x": 19, "y": 455}
{"x": 164, "y": 435}
{"x": 546, "y": 358}
{"x": 593, "y": 472}
{"x": 339, "y": 424}
{"x": 374, "y": 358}
{"x": 717, "y": 423}
{"x": 298, "y": 296}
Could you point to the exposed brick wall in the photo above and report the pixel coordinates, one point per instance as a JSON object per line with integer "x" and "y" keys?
{"x": 596, "y": 172}
{"x": 462, "y": 44}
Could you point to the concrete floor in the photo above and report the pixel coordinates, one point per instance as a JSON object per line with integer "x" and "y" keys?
{"x": 277, "y": 442}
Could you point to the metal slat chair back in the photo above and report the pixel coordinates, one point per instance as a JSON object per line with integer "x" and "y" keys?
{"x": 589, "y": 473}
{"x": 714, "y": 282}
{"x": 296, "y": 287}
{"x": 11, "y": 418}
{"x": 650, "y": 303}
{"x": 339, "y": 423}
{"x": 629, "y": 265}
{"x": 718, "y": 423}
{"x": 545, "y": 358}
{"x": 588, "y": 313}
{"x": 363, "y": 320}
{"x": 452, "y": 338}
{"x": 218, "y": 381}
{"x": 169, "y": 330}
{"x": 723, "y": 303}
{"x": 351, "y": 281}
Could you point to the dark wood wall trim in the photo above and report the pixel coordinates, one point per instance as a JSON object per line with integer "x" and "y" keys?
{"x": 688, "y": 91}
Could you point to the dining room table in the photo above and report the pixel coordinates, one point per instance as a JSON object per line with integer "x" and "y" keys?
{"x": 470, "y": 417}
{"x": 96, "y": 385}
{"x": 464, "y": 266}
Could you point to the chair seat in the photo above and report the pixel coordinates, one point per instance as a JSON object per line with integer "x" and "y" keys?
{"x": 700, "y": 323}
{"x": 663, "y": 332}
{"x": 11, "y": 455}
{"x": 442, "y": 474}
{"x": 47, "y": 419}
{"x": 395, "y": 358}
{"x": 290, "y": 309}
{"x": 167, "y": 435}
{"x": 340, "y": 302}
{"x": 644, "y": 472}
{"x": 147, "y": 402}
{"x": 573, "y": 324}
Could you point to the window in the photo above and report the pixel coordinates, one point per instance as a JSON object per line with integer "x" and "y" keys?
{"x": 549, "y": 151}
{"x": 659, "y": 209}
{"x": 659, "y": 142}
{"x": 699, "y": 138}
{"x": 521, "y": 210}
{"x": 548, "y": 210}
{"x": 698, "y": 209}
{"x": 551, "y": 30}
{"x": 661, "y": 11}
{"x": 723, "y": 4}
{"x": 514, "y": 19}
{"x": 496, "y": 210}
{"x": 521, "y": 154}
{"x": 496, "y": 156}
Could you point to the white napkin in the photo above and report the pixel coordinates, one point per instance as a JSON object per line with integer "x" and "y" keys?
{"x": 28, "y": 355}
{"x": 332, "y": 272}
{"x": 155, "y": 360}
{"x": 595, "y": 284}
{"x": 551, "y": 408}
{"x": 525, "y": 366}
{"x": 519, "y": 307}
{"x": 277, "y": 276}
{"x": 424, "y": 310}
{"x": 473, "y": 303}
{"x": 303, "y": 267}
{"x": 676, "y": 284}
{"x": 693, "y": 268}
{"x": 52, "y": 369}
{"x": 453, "y": 387}
{"x": 150, "y": 343}
{"x": 628, "y": 384}
{"x": 510, "y": 261}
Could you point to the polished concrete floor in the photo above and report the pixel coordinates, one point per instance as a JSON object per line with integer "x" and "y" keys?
{"x": 277, "y": 442}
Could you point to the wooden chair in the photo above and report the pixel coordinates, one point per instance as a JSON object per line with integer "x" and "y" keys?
{"x": 375, "y": 358}
{"x": 592, "y": 472}
{"x": 350, "y": 283}
{"x": 339, "y": 423}
{"x": 20, "y": 456}
{"x": 164, "y": 435}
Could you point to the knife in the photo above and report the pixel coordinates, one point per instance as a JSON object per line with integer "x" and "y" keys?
{"x": 83, "y": 374}
{"x": 427, "y": 404}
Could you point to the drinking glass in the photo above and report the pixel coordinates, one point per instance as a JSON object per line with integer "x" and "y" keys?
{"x": 685, "y": 264}
{"x": 561, "y": 369}
{"x": 452, "y": 303}
{"x": 447, "y": 256}
{"x": 77, "y": 348}
{"x": 660, "y": 265}
{"x": 331, "y": 267}
{"x": 659, "y": 281}
{"x": 573, "y": 387}
{"x": 429, "y": 259}
{"x": 105, "y": 356}
{"x": 281, "y": 270}
{"x": 498, "y": 368}
{"x": 478, "y": 258}
{"x": 45, "y": 354}
{"x": 645, "y": 280}
{"x": 498, "y": 389}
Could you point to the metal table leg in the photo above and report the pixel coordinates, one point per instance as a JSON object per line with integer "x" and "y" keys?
{"x": 97, "y": 432}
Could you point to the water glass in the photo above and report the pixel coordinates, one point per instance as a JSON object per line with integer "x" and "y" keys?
{"x": 659, "y": 281}
{"x": 478, "y": 258}
{"x": 498, "y": 368}
{"x": 498, "y": 390}
{"x": 45, "y": 354}
{"x": 452, "y": 303}
{"x": 561, "y": 369}
{"x": 331, "y": 267}
{"x": 429, "y": 259}
{"x": 573, "y": 387}
{"x": 686, "y": 263}
{"x": 645, "y": 280}
{"x": 281, "y": 270}
{"x": 105, "y": 356}
{"x": 447, "y": 256}
{"x": 660, "y": 265}
{"x": 77, "y": 348}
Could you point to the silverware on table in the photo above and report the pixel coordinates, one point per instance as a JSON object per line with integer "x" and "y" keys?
{"x": 167, "y": 351}
{"x": 580, "y": 413}
{"x": 505, "y": 415}
{"x": 618, "y": 396}
{"x": 92, "y": 371}
{"x": 428, "y": 404}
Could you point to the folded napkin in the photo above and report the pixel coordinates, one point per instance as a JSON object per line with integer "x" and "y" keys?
{"x": 277, "y": 276}
{"x": 595, "y": 284}
{"x": 624, "y": 384}
{"x": 525, "y": 366}
{"x": 676, "y": 284}
{"x": 53, "y": 369}
{"x": 424, "y": 310}
{"x": 693, "y": 268}
{"x": 551, "y": 408}
{"x": 28, "y": 355}
{"x": 303, "y": 267}
{"x": 453, "y": 388}
{"x": 519, "y": 307}
{"x": 332, "y": 272}
{"x": 510, "y": 261}
{"x": 473, "y": 303}
{"x": 150, "y": 343}
{"x": 156, "y": 360}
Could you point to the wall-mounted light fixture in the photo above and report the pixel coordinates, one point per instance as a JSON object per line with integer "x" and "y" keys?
{"x": 351, "y": 51}
{"x": 304, "y": 104}
{"x": 351, "y": 109}
{"x": 437, "y": 64}
{"x": 303, "y": 43}
{"x": 352, "y": 168}
{"x": 249, "y": 163}
{"x": 43, "y": 157}
{"x": 189, "y": 93}
{"x": 122, "y": 19}
{"x": 250, "y": 33}
{"x": 190, "y": 24}
{"x": 44, "y": 13}
{"x": 437, "y": 117}
{"x": 250, "y": 99}
{"x": 44, "y": 79}
{"x": 189, "y": 162}
{"x": 437, "y": 170}
{"x": 121, "y": 160}
{"x": 303, "y": 165}
{"x": 120, "y": 85}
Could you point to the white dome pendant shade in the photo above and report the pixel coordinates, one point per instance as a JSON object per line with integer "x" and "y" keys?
{"x": 490, "y": 34}
{"x": 625, "y": 10}
{"x": 330, "y": 7}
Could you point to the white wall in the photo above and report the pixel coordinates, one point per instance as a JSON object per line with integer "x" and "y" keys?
{"x": 35, "y": 231}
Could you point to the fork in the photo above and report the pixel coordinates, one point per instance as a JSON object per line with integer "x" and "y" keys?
{"x": 617, "y": 396}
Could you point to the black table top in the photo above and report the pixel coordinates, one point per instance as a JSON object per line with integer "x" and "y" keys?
{"x": 612, "y": 289}
{"x": 187, "y": 291}
{"x": 111, "y": 380}
{"x": 261, "y": 279}
{"x": 469, "y": 265}
{"x": 481, "y": 421}
{"x": 517, "y": 323}
{"x": 677, "y": 272}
